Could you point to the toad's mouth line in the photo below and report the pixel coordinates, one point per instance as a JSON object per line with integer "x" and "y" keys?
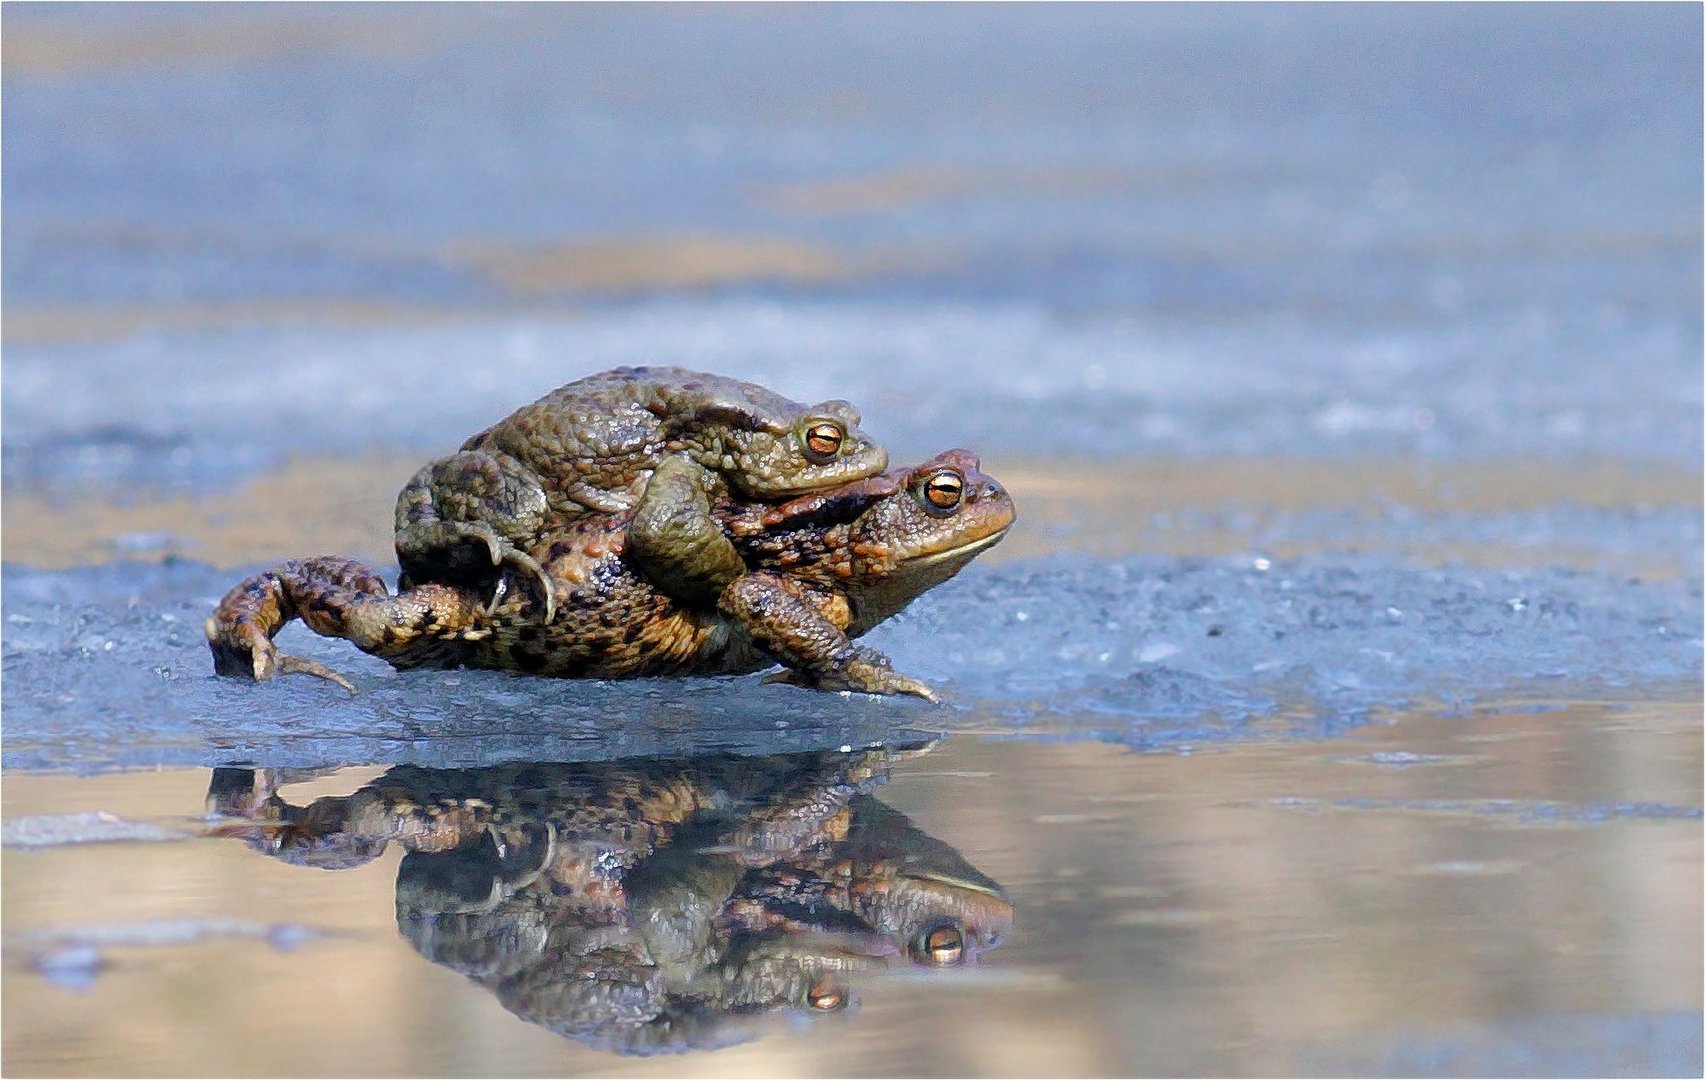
{"x": 989, "y": 888}
{"x": 968, "y": 548}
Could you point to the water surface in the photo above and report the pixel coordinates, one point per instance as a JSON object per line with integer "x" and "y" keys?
{"x": 1513, "y": 889}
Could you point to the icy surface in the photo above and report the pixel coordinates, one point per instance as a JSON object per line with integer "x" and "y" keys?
{"x": 107, "y": 667}
{"x": 1039, "y": 385}
{"x": 1380, "y": 159}
{"x": 1452, "y": 232}
{"x": 1456, "y": 233}
{"x": 1598, "y": 536}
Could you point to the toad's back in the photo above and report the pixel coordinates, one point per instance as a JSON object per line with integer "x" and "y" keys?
{"x": 593, "y": 439}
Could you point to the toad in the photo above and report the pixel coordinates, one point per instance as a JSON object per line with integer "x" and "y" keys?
{"x": 650, "y": 904}
{"x": 818, "y": 571}
{"x": 662, "y": 443}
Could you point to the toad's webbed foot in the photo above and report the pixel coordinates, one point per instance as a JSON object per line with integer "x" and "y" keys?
{"x": 240, "y": 630}
{"x": 335, "y": 597}
{"x": 786, "y": 619}
{"x": 867, "y": 672}
{"x": 674, "y": 541}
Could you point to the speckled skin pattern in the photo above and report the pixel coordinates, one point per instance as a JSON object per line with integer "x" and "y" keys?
{"x": 592, "y": 447}
{"x": 820, "y": 570}
{"x": 646, "y": 905}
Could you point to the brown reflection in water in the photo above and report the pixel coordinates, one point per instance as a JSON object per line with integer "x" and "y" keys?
{"x": 1261, "y": 908}
{"x": 648, "y": 905}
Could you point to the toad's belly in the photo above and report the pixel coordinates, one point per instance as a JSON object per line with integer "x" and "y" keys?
{"x": 609, "y": 644}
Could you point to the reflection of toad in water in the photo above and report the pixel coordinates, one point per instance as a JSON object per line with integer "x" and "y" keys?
{"x": 646, "y": 905}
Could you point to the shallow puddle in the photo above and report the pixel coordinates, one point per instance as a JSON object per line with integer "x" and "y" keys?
{"x": 1515, "y": 889}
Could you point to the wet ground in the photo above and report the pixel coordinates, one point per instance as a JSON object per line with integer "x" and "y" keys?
{"x": 1333, "y": 708}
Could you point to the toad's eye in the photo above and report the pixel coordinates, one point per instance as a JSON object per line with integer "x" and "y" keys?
{"x": 943, "y": 492}
{"x": 944, "y": 946}
{"x": 823, "y": 442}
{"x": 825, "y": 997}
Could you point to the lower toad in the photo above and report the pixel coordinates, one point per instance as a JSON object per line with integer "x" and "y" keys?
{"x": 822, "y": 569}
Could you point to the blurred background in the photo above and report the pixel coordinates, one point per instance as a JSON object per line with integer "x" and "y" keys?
{"x": 236, "y": 231}
{"x": 1341, "y": 680}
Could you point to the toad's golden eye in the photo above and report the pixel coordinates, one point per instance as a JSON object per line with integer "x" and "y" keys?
{"x": 823, "y": 441}
{"x": 943, "y": 946}
{"x": 825, "y": 997}
{"x": 944, "y": 491}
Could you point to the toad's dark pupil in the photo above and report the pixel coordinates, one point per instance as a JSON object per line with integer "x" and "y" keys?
{"x": 825, "y": 998}
{"x": 943, "y": 945}
{"x": 823, "y": 439}
{"x": 944, "y": 491}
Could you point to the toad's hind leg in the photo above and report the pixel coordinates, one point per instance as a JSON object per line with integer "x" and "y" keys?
{"x": 462, "y": 516}
{"x": 674, "y": 541}
{"x": 335, "y": 597}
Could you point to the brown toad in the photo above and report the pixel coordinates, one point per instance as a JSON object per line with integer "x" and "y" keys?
{"x": 661, "y": 442}
{"x": 650, "y": 904}
{"x": 819, "y": 570}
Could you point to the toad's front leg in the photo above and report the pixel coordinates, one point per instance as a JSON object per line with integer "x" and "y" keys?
{"x": 802, "y": 627}
{"x": 336, "y": 597}
{"x": 674, "y": 541}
